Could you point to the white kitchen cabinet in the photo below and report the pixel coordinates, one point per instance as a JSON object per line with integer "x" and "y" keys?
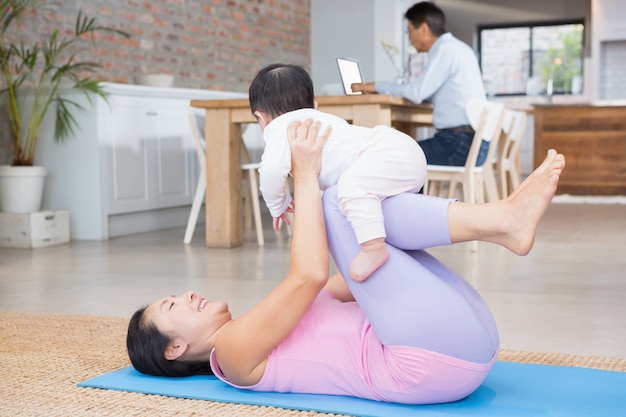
{"x": 130, "y": 167}
{"x": 149, "y": 152}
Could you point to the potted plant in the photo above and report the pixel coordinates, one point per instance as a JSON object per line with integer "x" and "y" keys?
{"x": 33, "y": 79}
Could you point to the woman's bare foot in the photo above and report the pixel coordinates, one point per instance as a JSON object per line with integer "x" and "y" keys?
{"x": 525, "y": 206}
{"x": 372, "y": 256}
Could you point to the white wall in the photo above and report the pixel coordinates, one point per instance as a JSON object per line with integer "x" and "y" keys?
{"x": 608, "y": 24}
{"x": 340, "y": 28}
{"x": 353, "y": 28}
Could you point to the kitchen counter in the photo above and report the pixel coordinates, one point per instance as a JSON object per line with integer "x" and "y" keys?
{"x": 592, "y": 136}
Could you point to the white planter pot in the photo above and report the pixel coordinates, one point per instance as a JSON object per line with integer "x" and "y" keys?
{"x": 21, "y": 188}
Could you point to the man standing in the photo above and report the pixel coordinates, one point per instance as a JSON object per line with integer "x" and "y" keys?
{"x": 450, "y": 78}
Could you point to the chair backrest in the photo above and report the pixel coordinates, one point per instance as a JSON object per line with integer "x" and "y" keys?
{"x": 474, "y": 111}
{"x": 486, "y": 118}
{"x": 514, "y": 123}
{"x": 196, "y": 119}
{"x": 518, "y": 128}
{"x": 198, "y": 141}
{"x": 513, "y": 127}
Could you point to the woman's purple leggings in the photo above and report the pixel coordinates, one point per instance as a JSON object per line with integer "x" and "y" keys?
{"x": 413, "y": 299}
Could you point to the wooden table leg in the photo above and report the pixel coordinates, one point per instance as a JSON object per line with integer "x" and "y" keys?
{"x": 223, "y": 191}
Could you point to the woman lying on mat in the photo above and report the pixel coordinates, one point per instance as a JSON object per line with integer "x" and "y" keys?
{"x": 417, "y": 332}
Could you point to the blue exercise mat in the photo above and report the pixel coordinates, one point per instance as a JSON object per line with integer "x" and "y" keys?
{"x": 510, "y": 390}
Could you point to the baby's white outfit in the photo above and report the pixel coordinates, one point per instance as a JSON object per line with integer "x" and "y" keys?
{"x": 367, "y": 164}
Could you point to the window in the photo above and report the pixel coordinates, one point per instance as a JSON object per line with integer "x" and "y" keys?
{"x": 532, "y": 58}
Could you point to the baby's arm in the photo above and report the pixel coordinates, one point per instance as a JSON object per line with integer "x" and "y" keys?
{"x": 283, "y": 218}
{"x": 275, "y": 166}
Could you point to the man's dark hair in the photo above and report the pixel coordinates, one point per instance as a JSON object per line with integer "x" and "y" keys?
{"x": 146, "y": 349}
{"x": 427, "y": 12}
{"x": 281, "y": 88}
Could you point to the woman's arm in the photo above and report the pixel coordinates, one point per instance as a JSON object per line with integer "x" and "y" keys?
{"x": 242, "y": 346}
{"x": 338, "y": 287}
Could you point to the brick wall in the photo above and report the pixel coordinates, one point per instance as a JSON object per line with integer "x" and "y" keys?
{"x": 208, "y": 44}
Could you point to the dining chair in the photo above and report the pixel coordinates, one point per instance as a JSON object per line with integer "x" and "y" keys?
{"x": 486, "y": 119}
{"x": 507, "y": 161}
{"x": 250, "y": 169}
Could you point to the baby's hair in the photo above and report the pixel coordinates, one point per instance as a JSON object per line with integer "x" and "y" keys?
{"x": 281, "y": 88}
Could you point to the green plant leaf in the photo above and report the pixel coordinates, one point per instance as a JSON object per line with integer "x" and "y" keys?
{"x": 42, "y": 67}
{"x": 65, "y": 121}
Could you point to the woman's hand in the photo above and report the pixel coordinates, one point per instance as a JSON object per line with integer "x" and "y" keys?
{"x": 306, "y": 148}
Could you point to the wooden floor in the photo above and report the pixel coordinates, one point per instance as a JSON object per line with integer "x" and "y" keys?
{"x": 568, "y": 295}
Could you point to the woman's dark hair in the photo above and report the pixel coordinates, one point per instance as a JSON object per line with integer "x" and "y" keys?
{"x": 427, "y": 12}
{"x": 281, "y": 88}
{"x": 146, "y": 349}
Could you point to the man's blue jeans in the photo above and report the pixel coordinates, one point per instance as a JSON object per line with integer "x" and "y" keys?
{"x": 451, "y": 148}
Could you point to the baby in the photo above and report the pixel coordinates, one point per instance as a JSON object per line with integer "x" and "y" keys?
{"x": 367, "y": 164}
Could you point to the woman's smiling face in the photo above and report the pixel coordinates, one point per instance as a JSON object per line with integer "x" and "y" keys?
{"x": 190, "y": 320}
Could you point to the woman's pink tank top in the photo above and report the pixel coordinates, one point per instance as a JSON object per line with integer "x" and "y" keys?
{"x": 334, "y": 350}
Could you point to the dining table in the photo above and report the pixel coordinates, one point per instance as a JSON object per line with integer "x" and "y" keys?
{"x": 223, "y": 127}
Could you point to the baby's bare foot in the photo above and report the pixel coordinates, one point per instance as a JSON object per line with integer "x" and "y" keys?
{"x": 528, "y": 203}
{"x": 372, "y": 256}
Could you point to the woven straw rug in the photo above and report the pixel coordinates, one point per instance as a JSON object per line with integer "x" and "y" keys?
{"x": 44, "y": 356}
